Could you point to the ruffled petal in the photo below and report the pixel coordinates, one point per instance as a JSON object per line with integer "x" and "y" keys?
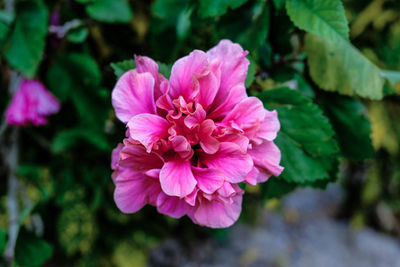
{"x": 132, "y": 193}
{"x": 233, "y": 65}
{"x": 146, "y": 64}
{"x": 218, "y": 214}
{"x": 171, "y": 206}
{"x": 249, "y": 111}
{"x": 185, "y": 74}
{"x": 269, "y": 127}
{"x": 208, "y": 180}
{"x": 134, "y": 156}
{"x": 133, "y": 94}
{"x": 148, "y": 129}
{"x": 177, "y": 179}
{"x": 230, "y": 160}
{"x": 266, "y": 157}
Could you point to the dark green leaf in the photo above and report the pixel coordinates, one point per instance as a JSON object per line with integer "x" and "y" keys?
{"x": 3, "y": 240}
{"x": 31, "y": 251}
{"x": 71, "y": 72}
{"x": 69, "y": 138}
{"x": 78, "y": 35}
{"x": 110, "y": 11}
{"x": 123, "y": 66}
{"x": 169, "y": 9}
{"x": 164, "y": 69}
{"x": 211, "y": 8}
{"x": 183, "y": 23}
{"x": 348, "y": 117}
{"x": 306, "y": 138}
{"x": 28, "y": 37}
{"x": 276, "y": 188}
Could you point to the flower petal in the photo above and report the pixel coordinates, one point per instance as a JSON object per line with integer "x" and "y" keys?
{"x": 230, "y": 160}
{"x": 266, "y": 157}
{"x": 208, "y": 180}
{"x": 115, "y": 156}
{"x": 208, "y": 143}
{"x": 269, "y": 127}
{"x": 146, "y": 64}
{"x": 172, "y": 206}
{"x": 185, "y": 73}
{"x": 135, "y": 157}
{"x": 132, "y": 193}
{"x": 234, "y": 66}
{"x": 249, "y": 111}
{"x": 217, "y": 214}
{"x": 176, "y": 178}
{"x": 133, "y": 95}
{"x": 148, "y": 129}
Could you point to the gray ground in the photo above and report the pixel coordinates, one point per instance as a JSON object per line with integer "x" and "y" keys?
{"x": 304, "y": 234}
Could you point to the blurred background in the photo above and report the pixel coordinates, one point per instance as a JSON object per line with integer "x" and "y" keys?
{"x": 78, "y": 48}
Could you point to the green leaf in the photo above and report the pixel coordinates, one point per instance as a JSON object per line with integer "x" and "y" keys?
{"x": 123, "y": 66}
{"x": 253, "y": 37}
{"x": 339, "y": 66}
{"x": 165, "y": 9}
{"x": 306, "y": 139}
{"x": 324, "y": 18}
{"x": 69, "y": 138}
{"x": 78, "y": 35}
{"x": 31, "y": 251}
{"x": 27, "y": 41}
{"x": 211, "y": 8}
{"x": 3, "y": 240}
{"x": 164, "y": 69}
{"x": 71, "y": 72}
{"x": 110, "y": 11}
{"x": 348, "y": 117}
{"x": 276, "y": 188}
{"x": 251, "y": 72}
{"x": 183, "y": 23}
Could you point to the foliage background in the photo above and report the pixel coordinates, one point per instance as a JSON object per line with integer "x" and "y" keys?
{"x": 333, "y": 59}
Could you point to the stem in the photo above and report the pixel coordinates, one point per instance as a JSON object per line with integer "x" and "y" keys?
{"x": 9, "y": 6}
{"x": 12, "y": 197}
{"x": 11, "y": 160}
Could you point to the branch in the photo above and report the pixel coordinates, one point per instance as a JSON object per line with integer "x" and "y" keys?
{"x": 9, "y": 6}
{"x": 12, "y": 197}
{"x": 11, "y": 160}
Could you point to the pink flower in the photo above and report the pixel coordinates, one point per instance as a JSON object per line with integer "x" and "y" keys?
{"x": 31, "y": 104}
{"x": 191, "y": 140}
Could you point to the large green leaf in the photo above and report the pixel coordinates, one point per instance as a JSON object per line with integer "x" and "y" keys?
{"x": 306, "y": 139}
{"x": 73, "y": 71}
{"x": 28, "y": 37}
{"x": 335, "y": 65}
{"x": 325, "y": 18}
{"x": 110, "y": 11}
{"x": 339, "y": 66}
{"x": 211, "y": 8}
{"x": 31, "y": 251}
{"x": 348, "y": 117}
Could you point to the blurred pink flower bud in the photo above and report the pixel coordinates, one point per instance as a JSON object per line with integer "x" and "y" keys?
{"x": 31, "y": 104}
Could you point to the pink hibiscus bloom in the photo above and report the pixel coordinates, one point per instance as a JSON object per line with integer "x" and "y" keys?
{"x": 31, "y": 104}
{"x": 191, "y": 140}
